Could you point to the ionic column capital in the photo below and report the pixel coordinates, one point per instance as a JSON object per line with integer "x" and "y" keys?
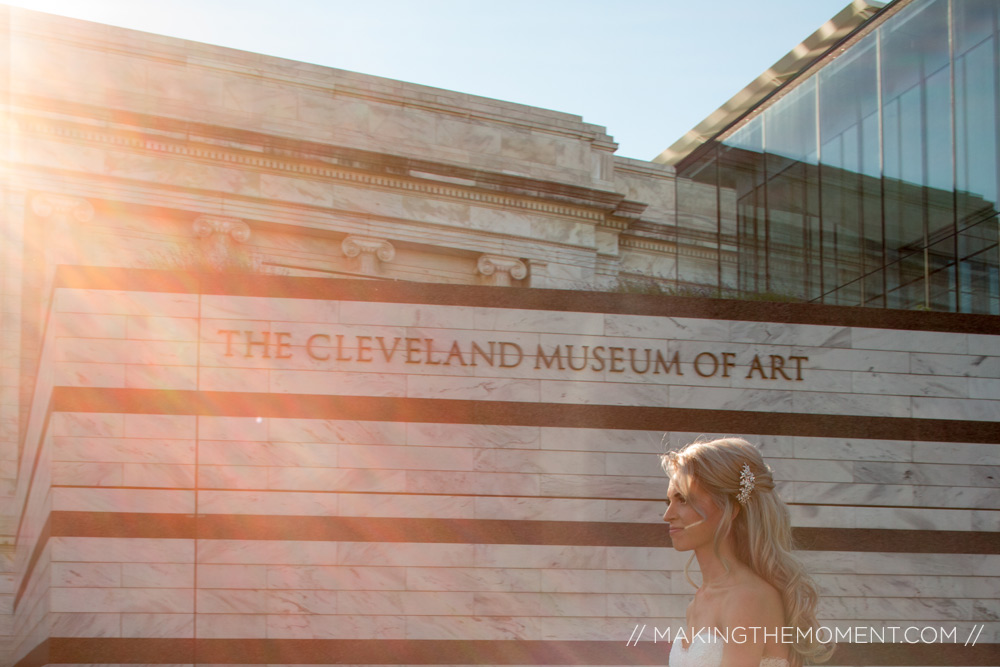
{"x": 356, "y": 245}
{"x": 207, "y": 225}
{"x": 370, "y": 251}
{"x": 499, "y": 270}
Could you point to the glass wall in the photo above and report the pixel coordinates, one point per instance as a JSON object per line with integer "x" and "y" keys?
{"x": 874, "y": 180}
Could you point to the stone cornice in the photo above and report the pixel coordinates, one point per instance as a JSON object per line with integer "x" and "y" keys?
{"x": 647, "y": 244}
{"x": 615, "y": 223}
{"x": 674, "y": 234}
{"x": 298, "y": 75}
{"x": 529, "y": 194}
{"x": 670, "y": 247}
{"x": 629, "y": 165}
{"x": 673, "y": 247}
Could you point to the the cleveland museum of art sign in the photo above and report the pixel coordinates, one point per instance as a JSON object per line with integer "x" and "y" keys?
{"x": 266, "y": 470}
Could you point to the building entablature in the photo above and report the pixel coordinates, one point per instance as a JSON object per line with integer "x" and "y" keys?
{"x": 75, "y": 62}
{"x": 312, "y": 150}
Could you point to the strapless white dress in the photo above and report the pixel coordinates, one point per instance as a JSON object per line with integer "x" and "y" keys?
{"x": 707, "y": 653}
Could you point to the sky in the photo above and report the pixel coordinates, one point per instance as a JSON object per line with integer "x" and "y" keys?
{"x": 647, "y": 70}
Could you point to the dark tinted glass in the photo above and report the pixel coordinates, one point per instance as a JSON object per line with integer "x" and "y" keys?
{"x": 875, "y": 180}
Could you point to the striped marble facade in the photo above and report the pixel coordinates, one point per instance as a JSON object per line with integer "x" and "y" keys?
{"x": 191, "y": 496}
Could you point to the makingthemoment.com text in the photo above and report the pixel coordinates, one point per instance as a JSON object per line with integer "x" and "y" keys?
{"x": 862, "y": 634}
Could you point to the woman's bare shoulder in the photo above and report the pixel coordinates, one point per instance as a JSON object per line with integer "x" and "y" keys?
{"x": 753, "y": 602}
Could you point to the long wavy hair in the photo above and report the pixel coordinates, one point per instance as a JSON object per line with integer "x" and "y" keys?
{"x": 760, "y": 531}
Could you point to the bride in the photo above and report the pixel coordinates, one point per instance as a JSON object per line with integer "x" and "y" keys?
{"x": 754, "y": 594}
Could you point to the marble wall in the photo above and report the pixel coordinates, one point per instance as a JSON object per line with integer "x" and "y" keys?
{"x": 285, "y": 462}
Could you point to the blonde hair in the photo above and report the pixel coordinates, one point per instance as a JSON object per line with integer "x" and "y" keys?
{"x": 760, "y": 531}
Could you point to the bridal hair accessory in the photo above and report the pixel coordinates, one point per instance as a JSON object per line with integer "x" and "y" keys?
{"x": 746, "y": 484}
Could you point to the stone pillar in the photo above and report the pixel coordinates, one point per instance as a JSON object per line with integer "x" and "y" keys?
{"x": 499, "y": 270}
{"x": 370, "y": 252}
{"x": 221, "y": 236}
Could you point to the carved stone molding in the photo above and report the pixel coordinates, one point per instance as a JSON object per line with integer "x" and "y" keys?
{"x": 348, "y": 174}
{"x": 371, "y": 252}
{"x": 221, "y": 236}
{"x": 61, "y": 207}
{"x": 499, "y": 270}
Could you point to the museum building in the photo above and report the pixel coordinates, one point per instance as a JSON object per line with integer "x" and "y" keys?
{"x": 304, "y": 366}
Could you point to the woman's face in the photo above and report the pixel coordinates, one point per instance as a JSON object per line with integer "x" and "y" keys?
{"x": 693, "y": 517}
